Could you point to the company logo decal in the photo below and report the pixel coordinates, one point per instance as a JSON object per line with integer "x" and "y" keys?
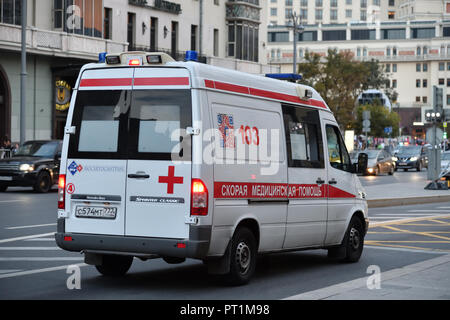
{"x": 226, "y": 128}
{"x": 74, "y": 168}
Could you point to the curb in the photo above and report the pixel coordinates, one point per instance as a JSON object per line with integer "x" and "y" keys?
{"x": 379, "y": 203}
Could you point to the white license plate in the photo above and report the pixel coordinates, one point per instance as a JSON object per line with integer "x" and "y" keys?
{"x": 95, "y": 212}
{"x": 402, "y": 164}
{"x": 3, "y": 178}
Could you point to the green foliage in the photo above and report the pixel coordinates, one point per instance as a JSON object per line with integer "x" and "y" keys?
{"x": 339, "y": 80}
{"x": 380, "y": 118}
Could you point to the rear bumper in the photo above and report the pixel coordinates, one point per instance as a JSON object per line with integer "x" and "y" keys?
{"x": 196, "y": 246}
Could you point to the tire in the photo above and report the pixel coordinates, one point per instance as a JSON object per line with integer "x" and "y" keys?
{"x": 419, "y": 167}
{"x": 114, "y": 265}
{"x": 43, "y": 182}
{"x": 353, "y": 241}
{"x": 3, "y": 187}
{"x": 391, "y": 172}
{"x": 242, "y": 257}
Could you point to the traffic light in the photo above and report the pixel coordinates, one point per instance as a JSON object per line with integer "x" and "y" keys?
{"x": 433, "y": 116}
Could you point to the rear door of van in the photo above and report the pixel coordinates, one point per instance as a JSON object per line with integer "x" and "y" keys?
{"x": 97, "y": 155}
{"x": 158, "y": 177}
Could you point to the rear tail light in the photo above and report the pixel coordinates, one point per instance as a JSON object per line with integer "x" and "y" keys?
{"x": 62, "y": 191}
{"x": 199, "y": 198}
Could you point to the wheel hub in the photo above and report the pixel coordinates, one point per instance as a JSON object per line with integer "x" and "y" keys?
{"x": 354, "y": 239}
{"x": 243, "y": 256}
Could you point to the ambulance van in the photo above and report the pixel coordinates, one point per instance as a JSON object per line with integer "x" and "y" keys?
{"x": 176, "y": 160}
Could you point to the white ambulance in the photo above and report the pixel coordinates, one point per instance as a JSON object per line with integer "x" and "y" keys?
{"x": 176, "y": 160}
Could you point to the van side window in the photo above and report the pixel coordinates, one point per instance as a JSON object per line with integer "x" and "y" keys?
{"x": 303, "y": 137}
{"x": 337, "y": 152}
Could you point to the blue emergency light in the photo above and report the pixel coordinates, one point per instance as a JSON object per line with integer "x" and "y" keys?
{"x": 285, "y": 76}
{"x": 102, "y": 57}
{"x": 191, "y": 56}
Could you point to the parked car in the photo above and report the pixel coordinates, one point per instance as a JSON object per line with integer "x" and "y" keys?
{"x": 35, "y": 164}
{"x": 412, "y": 157}
{"x": 380, "y": 161}
{"x": 445, "y": 162}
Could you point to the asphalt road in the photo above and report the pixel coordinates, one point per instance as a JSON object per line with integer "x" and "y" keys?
{"x": 32, "y": 267}
{"x": 399, "y": 176}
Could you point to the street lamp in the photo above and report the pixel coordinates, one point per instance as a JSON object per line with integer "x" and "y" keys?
{"x": 295, "y": 23}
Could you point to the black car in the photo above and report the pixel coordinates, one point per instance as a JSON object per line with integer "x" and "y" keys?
{"x": 35, "y": 164}
{"x": 412, "y": 157}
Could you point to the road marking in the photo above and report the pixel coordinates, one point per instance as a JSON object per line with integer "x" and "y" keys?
{"x": 40, "y": 239}
{"x": 400, "y": 214}
{"x": 24, "y": 273}
{"x": 40, "y": 258}
{"x": 32, "y": 226}
{"x": 9, "y": 271}
{"x": 375, "y": 243}
{"x": 426, "y": 234}
{"x": 403, "y": 221}
{"x": 344, "y": 287}
{"x": 29, "y": 248}
{"x": 429, "y": 210}
{"x": 418, "y": 250}
{"x": 27, "y": 237}
{"x": 5, "y": 201}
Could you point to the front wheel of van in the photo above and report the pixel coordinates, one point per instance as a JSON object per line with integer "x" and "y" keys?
{"x": 114, "y": 265}
{"x": 243, "y": 257}
{"x": 353, "y": 240}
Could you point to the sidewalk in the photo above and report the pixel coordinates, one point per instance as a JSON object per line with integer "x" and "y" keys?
{"x": 429, "y": 279}
{"x": 398, "y": 194}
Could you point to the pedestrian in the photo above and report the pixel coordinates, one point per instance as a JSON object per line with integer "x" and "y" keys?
{"x": 6, "y": 147}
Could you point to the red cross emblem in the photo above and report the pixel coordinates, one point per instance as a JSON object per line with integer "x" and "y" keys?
{"x": 170, "y": 179}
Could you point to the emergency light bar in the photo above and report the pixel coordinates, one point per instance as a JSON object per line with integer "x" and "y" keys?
{"x": 136, "y": 58}
{"x": 293, "y": 77}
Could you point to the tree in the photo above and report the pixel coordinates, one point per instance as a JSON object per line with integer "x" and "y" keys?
{"x": 339, "y": 80}
{"x": 380, "y": 118}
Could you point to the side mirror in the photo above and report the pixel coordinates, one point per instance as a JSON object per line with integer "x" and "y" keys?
{"x": 361, "y": 166}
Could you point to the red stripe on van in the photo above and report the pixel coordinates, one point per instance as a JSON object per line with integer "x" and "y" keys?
{"x": 162, "y": 81}
{"x": 112, "y": 82}
{"x": 262, "y": 93}
{"x": 251, "y": 190}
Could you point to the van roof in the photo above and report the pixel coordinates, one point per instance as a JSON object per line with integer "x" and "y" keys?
{"x": 204, "y": 76}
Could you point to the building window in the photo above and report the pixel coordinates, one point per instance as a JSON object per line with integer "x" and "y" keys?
{"x": 417, "y": 83}
{"x": 363, "y": 15}
{"x": 334, "y": 35}
{"x": 425, "y": 50}
{"x": 288, "y": 3}
{"x": 216, "y": 43}
{"x": 319, "y": 3}
{"x": 348, "y": 13}
{"x": 391, "y": 3}
{"x": 448, "y": 66}
{"x": 174, "y": 39}
{"x": 193, "y": 37}
{"x": 391, "y": 15}
{"x": 365, "y": 52}
{"x": 11, "y": 11}
{"x": 318, "y": 14}
{"x": 393, "y": 34}
{"x": 424, "y": 83}
{"x": 418, "y": 67}
{"x": 448, "y": 82}
{"x": 394, "y": 83}
{"x": 243, "y": 40}
{"x": 131, "y": 28}
{"x": 333, "y": 3}
{"x": 107, "y": 23}
{"x": 441, "y": 81}
{"x": 425, "y": 67}
{"x": 424, "y": 99}
{"x": 278, "y": 36}
{"x": 394, "y": 51}
{"x": 304, "y": 14}
{"x": 394, "y": 67}
{"x": 154, "y": 34}
{"x": 78, "y": 17}
{"x": 288, "y": 13}
{"x": 58, "y": 13}
{"x": 418, "y": 51}
{"x": 363, "y": 3}
{"x": 333, "y": 14}
{"x": 441, "y": 66}
{"x": 448, "y": 99}
{"x": 388, "y": 68}
{"x": 417, "y": 99}
{"x": 349, "y": 2}
{"x": 273, "y": 11}
{"x": 307, "y": 36}
{"x": 423, "y": 33}
{"x": 376, "y": 2}
{"x": 358, "y": 52}
{"x": 304, "y": 3}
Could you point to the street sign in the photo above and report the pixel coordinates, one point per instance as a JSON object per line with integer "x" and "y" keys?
{"x": 388, "y": 130}
{"x": 366, "y": 123}
{"x": 430, "y": 136}
{"x": 366, "y": 115}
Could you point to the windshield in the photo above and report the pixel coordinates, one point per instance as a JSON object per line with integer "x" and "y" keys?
{"x": 372, "y": 154}
{"x": 445, "y": 156}
{"x": 409, "y": 151}
{"x": 37, "y": 149}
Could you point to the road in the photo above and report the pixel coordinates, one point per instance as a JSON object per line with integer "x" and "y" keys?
{"x": 411, "y": 176}
{"x": 32, "y": 267}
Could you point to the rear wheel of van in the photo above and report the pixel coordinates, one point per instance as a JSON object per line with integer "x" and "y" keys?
{"x": 353, "y": 240}
{"x": 43, "y": 183}
{"x": 242, "y": 257}
{"x": 114, "y": 265}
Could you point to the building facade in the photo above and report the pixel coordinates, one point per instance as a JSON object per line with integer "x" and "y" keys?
{"x": 415, "y": 53}
{"x": 63, "y": 35}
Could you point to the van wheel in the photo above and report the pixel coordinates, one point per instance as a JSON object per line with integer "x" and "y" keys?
{"x": 391, "y": 172}
{"x": 353, "y": 241}
{"x": 43, "y": 183}
{"x": 114, "y": 265}
{"x": 242, "y": 258}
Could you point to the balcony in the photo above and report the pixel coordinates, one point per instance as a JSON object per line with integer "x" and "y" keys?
{"x": 56, "y": 43}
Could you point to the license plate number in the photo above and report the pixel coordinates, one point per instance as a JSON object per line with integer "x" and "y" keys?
{"x": 95, "y": 212}
{"x": 402, "y": 164}
{"x": 3, "y": 178}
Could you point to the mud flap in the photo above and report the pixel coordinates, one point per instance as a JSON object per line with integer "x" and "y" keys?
{"x": 220, "y": 265}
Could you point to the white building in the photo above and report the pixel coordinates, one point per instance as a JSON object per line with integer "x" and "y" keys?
{"x": 414, "y": 52}
{"x": 62, "y": 35}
